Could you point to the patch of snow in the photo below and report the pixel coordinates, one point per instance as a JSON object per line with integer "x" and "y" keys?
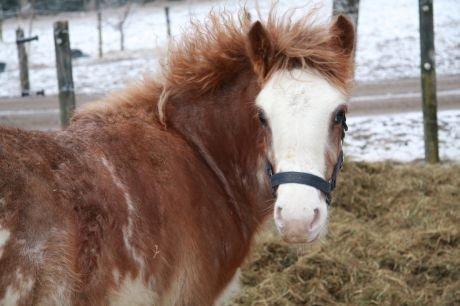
{"x": 400, "y": 137}
{"x": 388, "y": 38}
{"x": 388, "y": 45}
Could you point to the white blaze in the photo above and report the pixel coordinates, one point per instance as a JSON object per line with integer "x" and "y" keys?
{"x": 298, "y": 105}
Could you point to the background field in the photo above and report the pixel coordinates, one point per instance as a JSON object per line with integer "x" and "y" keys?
{"x": 393, "y": 240}
{"x": 388, "y": 40}
{"x": 387, "y": 72}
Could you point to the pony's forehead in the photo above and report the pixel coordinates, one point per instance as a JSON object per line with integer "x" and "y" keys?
{"x": 298, "y": 91}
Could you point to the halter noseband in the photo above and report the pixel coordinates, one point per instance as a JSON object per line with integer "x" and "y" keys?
{"x": 310, "y": 179}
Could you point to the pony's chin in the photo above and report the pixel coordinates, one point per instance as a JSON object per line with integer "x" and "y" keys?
{"x": 306, "y": 239}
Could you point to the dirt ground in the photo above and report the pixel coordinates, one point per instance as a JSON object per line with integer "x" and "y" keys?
{"x": 393, "y": 240}
{"x": 392, "y": 96}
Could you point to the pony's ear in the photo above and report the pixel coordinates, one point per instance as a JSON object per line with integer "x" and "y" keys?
{"x": 260, "y": 49}
{"x": 345, "y": 34}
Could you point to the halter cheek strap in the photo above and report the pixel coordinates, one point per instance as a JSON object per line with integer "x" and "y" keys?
{"x": 308, "y": 179}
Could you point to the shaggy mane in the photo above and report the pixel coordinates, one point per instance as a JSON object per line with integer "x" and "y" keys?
{"x": 215, "y": 51}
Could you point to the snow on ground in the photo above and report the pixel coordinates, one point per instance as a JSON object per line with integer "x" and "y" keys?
{"x": 397, "y": 137}
{"x": 400, "y": 137}
{"x": 388, "y": 38}
{"x": 388, "y": 45}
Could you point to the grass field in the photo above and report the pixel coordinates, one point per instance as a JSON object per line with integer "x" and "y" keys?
{"x": 393, "y": 240}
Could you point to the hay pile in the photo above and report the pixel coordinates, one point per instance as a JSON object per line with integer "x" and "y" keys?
{"x": 393, "y": 240}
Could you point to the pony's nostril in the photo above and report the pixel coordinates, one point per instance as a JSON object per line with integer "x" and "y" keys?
{"x": 316, "y": 218}
{"x": 278, "y": 212}
{"x": 278, "y": 219}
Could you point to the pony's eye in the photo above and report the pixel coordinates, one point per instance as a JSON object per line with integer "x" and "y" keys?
{"x": 339, "y": 116}
{"x": 341, "y": 119}
{"x": 262, "y": 118}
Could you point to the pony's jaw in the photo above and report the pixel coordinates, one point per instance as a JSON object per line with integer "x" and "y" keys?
{"x": 298, "y": 105}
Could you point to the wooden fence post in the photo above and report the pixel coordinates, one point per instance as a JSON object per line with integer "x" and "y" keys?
{"x": 64, "y": 71}
{"x": 428, "y": 80}
{"x": 23, "y": 63}
{"x": 168, "y": 22}
{"x": 99, "y": 27}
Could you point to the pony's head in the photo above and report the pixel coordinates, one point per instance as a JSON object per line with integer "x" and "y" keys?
{"x": 296, "y": 74}
{"x": 302, "y": 105}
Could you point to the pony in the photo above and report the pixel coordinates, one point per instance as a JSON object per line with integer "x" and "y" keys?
{"x": 153, "y": 195}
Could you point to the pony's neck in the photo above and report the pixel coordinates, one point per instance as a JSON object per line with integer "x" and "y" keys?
{"x": 221, "y": 128}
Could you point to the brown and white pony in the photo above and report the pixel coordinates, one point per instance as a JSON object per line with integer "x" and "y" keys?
{"x": 153, "y": 196}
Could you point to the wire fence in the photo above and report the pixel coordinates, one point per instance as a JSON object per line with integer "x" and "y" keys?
{"x": 133, "y": 37}
{"x": 114, "y": 16}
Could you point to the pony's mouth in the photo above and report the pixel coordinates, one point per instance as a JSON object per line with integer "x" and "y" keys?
{"x": 306, "y": 238}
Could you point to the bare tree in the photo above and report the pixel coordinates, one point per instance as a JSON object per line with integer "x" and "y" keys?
{"x": 120, "y": 23}
{"x": 99, "y": 27}
{"x": 347, "y": 7}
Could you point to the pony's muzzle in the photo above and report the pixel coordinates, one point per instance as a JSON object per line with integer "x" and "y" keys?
{"x": 300, "y": 216}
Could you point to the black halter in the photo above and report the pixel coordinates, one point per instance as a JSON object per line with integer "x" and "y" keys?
{"x": 310, "y": 179}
